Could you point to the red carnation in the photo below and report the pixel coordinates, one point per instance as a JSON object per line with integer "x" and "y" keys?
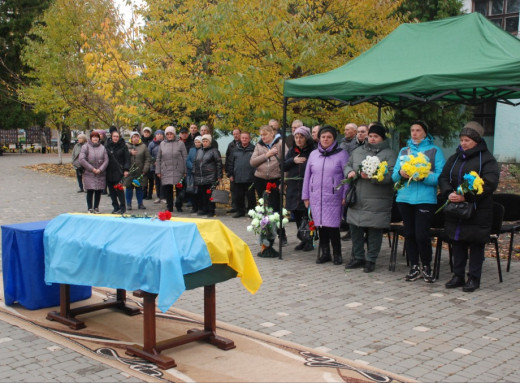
{"x": 178, "y": 186}
{"x": 211, "y": 198}
{"x": 270, "y": 186}
{"x": 164, "y": 215}
{"x": 208, "y": 191}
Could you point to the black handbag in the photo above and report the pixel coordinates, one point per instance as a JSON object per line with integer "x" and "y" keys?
{"x": 351, "y": 197}
{"x": 459, "y": 210}
{"x": 304, "y": 232}
{"x": 190, "y": 184}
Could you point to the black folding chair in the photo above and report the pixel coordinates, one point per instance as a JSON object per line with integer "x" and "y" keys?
{"x": 511, "y": 225}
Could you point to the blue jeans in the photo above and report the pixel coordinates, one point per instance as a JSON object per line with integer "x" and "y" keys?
{"x": 130, "y": 195}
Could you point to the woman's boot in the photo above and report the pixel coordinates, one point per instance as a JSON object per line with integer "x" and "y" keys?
{"x": 324, "y": 254}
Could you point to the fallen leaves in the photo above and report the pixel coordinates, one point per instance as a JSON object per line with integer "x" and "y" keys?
{"x": 64, "y": 170}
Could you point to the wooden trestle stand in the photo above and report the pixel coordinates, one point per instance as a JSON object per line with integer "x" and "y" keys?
{"x": 151, "y": 349}
{"x": 67, "y": 316}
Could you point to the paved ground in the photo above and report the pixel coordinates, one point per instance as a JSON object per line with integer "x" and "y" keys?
{"x": 419, "y": 330}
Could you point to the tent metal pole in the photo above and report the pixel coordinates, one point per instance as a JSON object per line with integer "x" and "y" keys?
{"x": 379, "y": 110}
{"x": 282, "y": 178}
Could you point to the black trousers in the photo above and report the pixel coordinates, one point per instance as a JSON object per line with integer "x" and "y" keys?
{"x": 330, "y": 235}
{"x": 117, "y": 196}
{"x": 167, "y": 191}
{"x": 93, "y": 196}
{"x": 149, "y": 187}
{"x": 204, "y": 202}
{"x": 460, "y": 258}
{"x": 79, "y": 177}
{"x": 417, "y": 221}
{"x": 243, "y": 192}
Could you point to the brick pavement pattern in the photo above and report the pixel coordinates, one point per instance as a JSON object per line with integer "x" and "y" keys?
{"x": 419, "y": 330}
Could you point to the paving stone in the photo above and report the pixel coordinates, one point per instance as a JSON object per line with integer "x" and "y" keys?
{"x": 317, "y": 317}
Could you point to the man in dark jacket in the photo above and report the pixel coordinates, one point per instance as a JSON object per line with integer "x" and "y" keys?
{"x": 241, "y": 173}
{"x": 232, "y": 145}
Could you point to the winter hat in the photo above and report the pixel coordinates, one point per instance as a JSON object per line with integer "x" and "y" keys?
{"x": 147, "y": 129}
{"x": 170, "y": 129}
{"x": 159, "y": 132}
{"x": 378, "y": 129}
{"x": 207, "y": 137}
{"x": 135, "y": 134}
{"x": 304, "y": 131}
{"x": 328, "y": 128}
{"x": 184, "y": 130}
{"x": 198, "y": 138}
{"x": 473, "y": 130}
{"x": 82, "y": 135}
{"x": 422, "y": 124}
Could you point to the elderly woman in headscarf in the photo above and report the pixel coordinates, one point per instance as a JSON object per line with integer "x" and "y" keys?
{"x": 139, "y": 165}
{"x": 323, "y": 193}
{"x": 372, "y": 210}
{"x": 170, "y": 165}
{"x": 295, "y": 165}
{"x": 94, "y": 159}
{"x": 469, "y": 235}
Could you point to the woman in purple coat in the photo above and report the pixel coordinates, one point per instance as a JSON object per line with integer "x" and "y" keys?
{"x": 323, "y": 174}
{"x": 94, "y": 159}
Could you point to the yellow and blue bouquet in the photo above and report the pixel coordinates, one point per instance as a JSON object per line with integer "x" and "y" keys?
{"x": 416, "y": 168}
{"x": 472, "y": 183}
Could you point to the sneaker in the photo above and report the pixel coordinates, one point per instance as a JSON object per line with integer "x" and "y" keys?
{"x": 163, "y": 201}
{"x": 96, "y": 210}
{"x": 427, "y": 274}
{"x": 158, "y": 200}
{"x": 142, "y": 207}
{"x": 128, "y": 207}
{"x": 414, "y": 273}
{"x": 91, "y": 211}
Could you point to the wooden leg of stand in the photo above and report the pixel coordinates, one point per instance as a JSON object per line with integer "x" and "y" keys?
{"x": 210, "y": 320}
{"x": 121, "y": 299}
{"x": 65, "y": 314}
{"x": 149, "y": 350}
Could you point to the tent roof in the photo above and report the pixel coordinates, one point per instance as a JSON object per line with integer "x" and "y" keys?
{"x": 464, "y": 59}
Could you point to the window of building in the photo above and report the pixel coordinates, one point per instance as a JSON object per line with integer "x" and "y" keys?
{"x": 503, "y": 13}
{"x": 485, "y": 115}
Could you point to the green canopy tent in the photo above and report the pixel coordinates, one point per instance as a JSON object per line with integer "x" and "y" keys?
{"x": 464, "y": 59}
{"x": 461, "y": 60}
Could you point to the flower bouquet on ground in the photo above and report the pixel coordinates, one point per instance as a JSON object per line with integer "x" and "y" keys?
{"x": 416, "y": 168}
{"x": 473, "y": 184}
{"x": 265, "y": 223}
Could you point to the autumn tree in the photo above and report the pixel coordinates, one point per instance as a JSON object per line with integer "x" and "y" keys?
{"x": 229, "y": 59}
{"x": 64, "y": 88}
{"x": 16, "y": 19}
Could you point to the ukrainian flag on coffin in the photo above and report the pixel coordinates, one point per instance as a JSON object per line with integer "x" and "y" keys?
{"x": 140, "y": 253}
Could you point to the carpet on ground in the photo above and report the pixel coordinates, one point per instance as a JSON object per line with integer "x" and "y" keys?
{"x": 256, "y": 358}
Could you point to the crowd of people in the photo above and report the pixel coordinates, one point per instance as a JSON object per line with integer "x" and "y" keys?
{"x": 329, "y": 182}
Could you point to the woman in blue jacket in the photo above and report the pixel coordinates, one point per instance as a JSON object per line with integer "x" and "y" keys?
{"x": 417, "y": 201}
